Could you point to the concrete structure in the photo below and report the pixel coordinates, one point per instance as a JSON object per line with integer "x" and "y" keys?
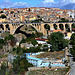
{"x": 12, "y": 27}
{"x": 43, "y": 62}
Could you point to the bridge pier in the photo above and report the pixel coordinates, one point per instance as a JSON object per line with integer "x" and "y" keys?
{"x": 58, "y": 26}
{"x": 12, "y": 28}
{"x": 70, "y": 25}
{"x": 40, "y": 27}
{"x": 44, "y": 31}
{"x": 51, "y": 27}
{"x": 37, "y": 26}
{"x": 4, "y": 27}
{"x": 64, "y": 27}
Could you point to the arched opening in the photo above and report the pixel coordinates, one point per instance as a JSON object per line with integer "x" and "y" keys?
{"x": 55, "y": 26}
{"x": 67, "y": 27}
{"x": 61, "y": 26}
{"x": 47, "y": 27}
{"x": 73, "y": 27}
{"x": 17, "y": 30}
{"x": 1, "y": 27}
{"x": 7, "y": 27}
{"x": 35, "y": 25}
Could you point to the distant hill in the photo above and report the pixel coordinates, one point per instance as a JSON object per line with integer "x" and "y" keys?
{"x": 68, "y": 6}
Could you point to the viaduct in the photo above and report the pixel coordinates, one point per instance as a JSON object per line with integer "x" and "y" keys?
{"x": 12, "y": 27}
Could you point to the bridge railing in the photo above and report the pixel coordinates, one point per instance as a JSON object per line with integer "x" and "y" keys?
{"x": 31, "y": 23}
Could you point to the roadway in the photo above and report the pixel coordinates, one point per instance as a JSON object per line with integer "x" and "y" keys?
{"x": 72, "y": 64}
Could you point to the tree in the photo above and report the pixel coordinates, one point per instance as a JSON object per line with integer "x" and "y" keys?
{"x": 72, "y": 41}
{"x": 3, "y": 68}
{"x": 73, "y": 25}
{"x": 20, "y": 64}
{"x": 34, "y": 42}
{"x": 63, "y": 20}
{"x": 57, "y": 41}
{"x": 10, "y": 38}
{"x": 1, "y": 43}
{"x": 12, "y": 12}
{"x": 3, "y": 16}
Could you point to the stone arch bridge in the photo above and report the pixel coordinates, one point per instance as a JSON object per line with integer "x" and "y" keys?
{"x": 12, "y": 27}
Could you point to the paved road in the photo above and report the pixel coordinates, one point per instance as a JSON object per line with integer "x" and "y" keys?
{"x": 72, "y": 67}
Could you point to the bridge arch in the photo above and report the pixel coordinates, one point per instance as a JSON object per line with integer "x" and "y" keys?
{"x": 7, "y": 27}
{"x": 1, "y": 27}
{"x": 73, "y": 27}
{"x": 61, "y": 26}
{"x": 47, "y": 28}
{"x": 55, "y": 26}
{"x": 18, "y": 27}
{"x": 67, "y": 27}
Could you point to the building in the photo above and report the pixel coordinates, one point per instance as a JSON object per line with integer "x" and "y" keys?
{"x": 32, "y": 19}
{"x": 41, "y": 41}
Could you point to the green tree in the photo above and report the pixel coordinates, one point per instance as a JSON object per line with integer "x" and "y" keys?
{"x": 3, "y": 68}
{"x": 57, "y": 41}
{"x": 72, "y": 41}
{"x": 3, "y": 16}
{"x": 10, "y": 39}
{"x": 73, "y": 25}
{"x": 1, "y": 43}
{"x": 63, "y": 20}
{"x": 20, "y": 65}
{"x": 34, "y": 42}
{"x": 12, "y": 12}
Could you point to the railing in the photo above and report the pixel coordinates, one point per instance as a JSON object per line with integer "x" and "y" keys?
{"x": 31, "y": 23}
